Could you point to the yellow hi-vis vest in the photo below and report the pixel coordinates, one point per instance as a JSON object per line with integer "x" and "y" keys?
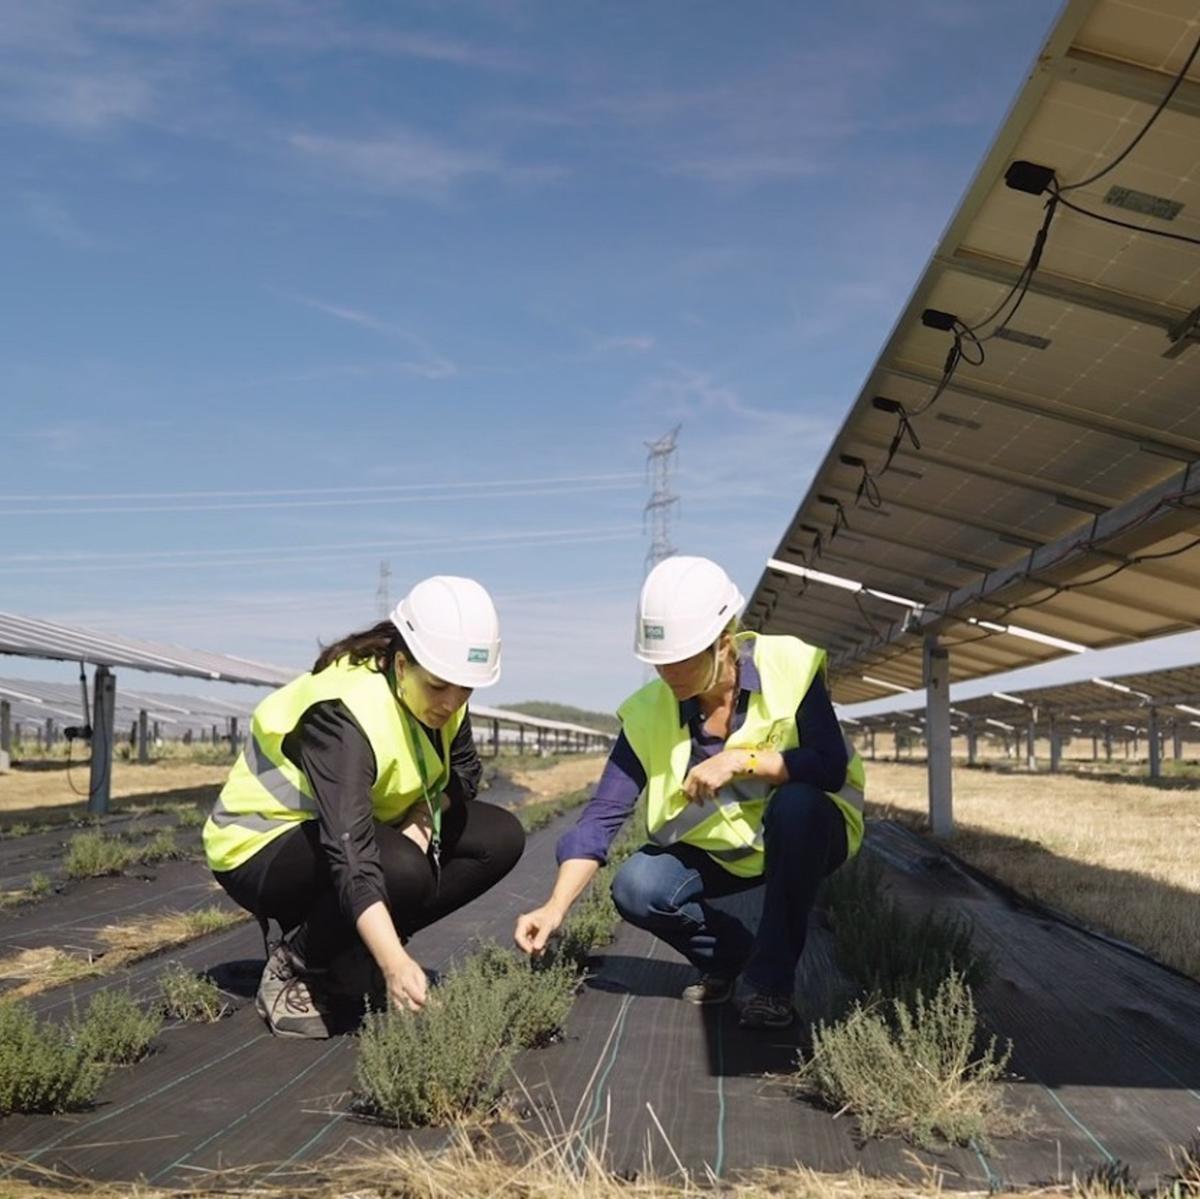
{"x": 266, "y": 794}
{"x": 730, "y": 831}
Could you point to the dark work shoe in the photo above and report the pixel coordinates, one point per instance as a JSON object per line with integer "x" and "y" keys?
{"x": 709, "y": 988}
{"x": 762, "y": 1010}
{"x": 290, "y": 999}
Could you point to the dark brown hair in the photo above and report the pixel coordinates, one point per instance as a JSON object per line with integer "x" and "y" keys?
{"x": 375, "y": 646}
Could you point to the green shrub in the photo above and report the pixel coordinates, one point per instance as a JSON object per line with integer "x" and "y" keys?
{"x": 888, "y": 953}
{"x": 538, "y": 994}
{"x": 918, "y": 1073}
{"x": 189, "y": 996}
{"x": 431, "y": 1067}
{"x": 40, "y": 1069}
{"x": 190, "y": 817}
{"x": 39, "y": 885}
{"x": 92, "y": 854}
{"x": 161, "y": 847}
{"x": 450, "y": 1059}
{"x": 115, "y": 1030}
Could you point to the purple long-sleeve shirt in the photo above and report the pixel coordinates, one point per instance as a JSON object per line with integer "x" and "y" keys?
{"x": 820, "y": 759}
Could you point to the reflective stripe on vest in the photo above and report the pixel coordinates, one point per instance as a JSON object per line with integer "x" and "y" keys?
{"x": 275, "y": 782}
{"x": 693, "y": 815}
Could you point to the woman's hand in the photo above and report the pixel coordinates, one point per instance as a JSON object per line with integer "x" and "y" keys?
{"x": 534, "y": 928}
{"x": 406, "y": 984}
{"x": 705, "y": 780}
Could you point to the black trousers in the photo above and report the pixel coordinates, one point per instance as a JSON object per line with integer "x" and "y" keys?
{"x": 289, "y": 880}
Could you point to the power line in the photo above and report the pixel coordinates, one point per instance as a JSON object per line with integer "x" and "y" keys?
{"x": 280, "y": 491}
{"x": 364, "y": 501}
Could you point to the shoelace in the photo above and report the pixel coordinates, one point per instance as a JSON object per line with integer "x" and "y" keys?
{"x": 296, "y": 997}
{"x": 767, "y": 1005}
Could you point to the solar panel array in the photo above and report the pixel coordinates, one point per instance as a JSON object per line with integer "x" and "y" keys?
{"x": 35, "y": 702}
{"x": 1048, "y": 499}
{"x": 28, "y": 637}
{"x": 1088, "y": 707}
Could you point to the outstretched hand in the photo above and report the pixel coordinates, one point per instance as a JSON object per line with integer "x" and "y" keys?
{"x": 535, "y": 928}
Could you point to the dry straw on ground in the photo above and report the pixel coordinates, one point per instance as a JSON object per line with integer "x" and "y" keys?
{"x": 1120, "y": 856}
{"x": 540, "y": 1168}
{"x": 48, "y": 789}
{"x": 45, "y": 967}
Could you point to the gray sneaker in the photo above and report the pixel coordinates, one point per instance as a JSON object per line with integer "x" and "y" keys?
{"x": 709, "y": 988}
{"x": 289, "y": 998}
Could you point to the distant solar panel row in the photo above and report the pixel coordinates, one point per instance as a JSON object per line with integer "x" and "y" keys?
{"x": 30, "y": 638}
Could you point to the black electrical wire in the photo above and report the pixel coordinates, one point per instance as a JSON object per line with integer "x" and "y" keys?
{"x": 1120, "y": 158}
{"x": 865, "y": 614}
{"x": 868, "y": 489}
{"x": 1110, "y": 220}
{"x": 903, "y": 429}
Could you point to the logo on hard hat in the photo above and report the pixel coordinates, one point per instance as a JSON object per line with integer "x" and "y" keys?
{"x": 477, "y": 655}
{"x": 652, "y": 632}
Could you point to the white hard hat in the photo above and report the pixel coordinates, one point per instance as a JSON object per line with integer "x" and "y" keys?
{"x": 451, "y": 626}
{"x": 685, "y": 604}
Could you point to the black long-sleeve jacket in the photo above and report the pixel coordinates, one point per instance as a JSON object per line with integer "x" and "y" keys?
{"x": 332, "y": 750}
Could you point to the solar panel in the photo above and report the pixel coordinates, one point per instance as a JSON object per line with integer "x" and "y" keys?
{"x": 1048, "y": 499}
{"x": 27, "y": 637}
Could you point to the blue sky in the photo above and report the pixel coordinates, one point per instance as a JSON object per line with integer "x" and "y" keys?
{"x": 300, "y": 287}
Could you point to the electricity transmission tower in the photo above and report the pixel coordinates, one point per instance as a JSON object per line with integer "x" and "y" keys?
{"x": 661, "y": 460}
{"x": 383, "y": 599}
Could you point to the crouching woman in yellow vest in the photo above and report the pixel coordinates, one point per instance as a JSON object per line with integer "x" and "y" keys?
{"x": 748, "y": 783}
{"x": 350, "y": 817}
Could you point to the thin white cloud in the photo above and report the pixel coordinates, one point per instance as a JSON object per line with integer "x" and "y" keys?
{"x": 634, "y": 344}
{"x": 431, "y": 365}
{"x": 412, "y": 164}
{"x": 62, "y": 97}
{"x": 49, "y": 215}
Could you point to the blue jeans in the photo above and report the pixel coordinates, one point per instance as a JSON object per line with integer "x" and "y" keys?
{"x": 666, "y": 892}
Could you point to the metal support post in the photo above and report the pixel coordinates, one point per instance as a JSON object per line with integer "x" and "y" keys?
{"x": 1095, "y": 747}
{"x": 235, "y": 737}
{"x": 937, "y": 732}
{"x": 972, "y": 744}
{"x": 1155, "y": 746}
{"x": 143, "y": 733}
{"x": 104, "y": 705}
{"x": 520, "y": 738}
{"x": 1107, "y": 742}
{"x": 1055, "y": 747}
{"x": 50, "y": 737}
{"x": 5, "y": 736}
{"x": 871, "y": 743}
{"x": 1176, "y": 741}
{"x": 495, "y": 738}
{"x": 1031, "y": 741}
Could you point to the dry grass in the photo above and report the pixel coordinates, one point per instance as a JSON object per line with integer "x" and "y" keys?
{"x": 1121, "y": 857}
{"x": 47, "y": 967}
{"x": 549, "y": 782}
{"x": 45, "y": 785}
{"x": 557, "y": 1167}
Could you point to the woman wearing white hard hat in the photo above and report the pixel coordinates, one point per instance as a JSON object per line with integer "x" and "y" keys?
{"x": 350, "y": 817}
{"x": 748, "y": 782}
